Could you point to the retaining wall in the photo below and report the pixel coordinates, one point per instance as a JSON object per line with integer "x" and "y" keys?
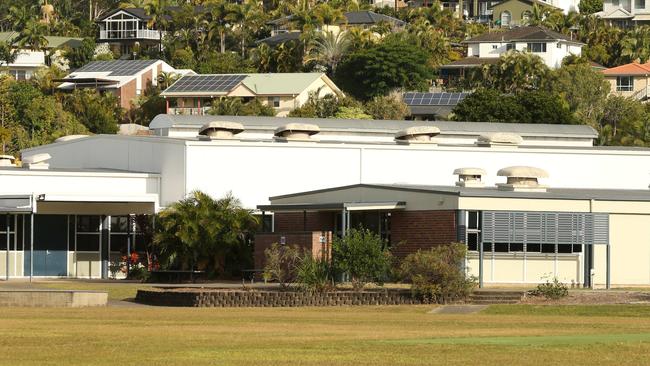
{"x": 213, "y": 298}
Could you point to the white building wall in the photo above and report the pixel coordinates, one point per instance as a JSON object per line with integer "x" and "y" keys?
{"x": 552, "y": 57}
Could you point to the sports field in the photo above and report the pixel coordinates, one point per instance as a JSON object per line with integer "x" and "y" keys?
{"x": 406, "y": 335}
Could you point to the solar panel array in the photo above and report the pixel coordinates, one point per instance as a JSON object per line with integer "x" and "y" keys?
{"x": 206, "y": 83}
{"x": 117, "y": 67}
{"x": 430, "y": 99}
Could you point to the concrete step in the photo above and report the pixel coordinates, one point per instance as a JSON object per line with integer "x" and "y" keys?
{"x": 507, "y": 297}
{"x": 499, "y": 292}
{"x": 484, "y": 297}
{"x": 493, "y": 302}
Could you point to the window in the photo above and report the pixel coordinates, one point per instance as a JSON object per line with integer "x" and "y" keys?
{"x": 494, "y": 46}
{"x": 615, "y": 2}
{"x": 18, "y": 74}
{"x": 274, "y": 102}
{"x": 639, "y": 4}
{"x": 536, "y": 47}
{"x": 510, "y": 46}
{"x": 473, "y": 234}
{"x": 506, "y": 18}
{"x": 624, "y": 83}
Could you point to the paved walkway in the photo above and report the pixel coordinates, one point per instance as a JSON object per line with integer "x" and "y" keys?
{"x": 458, "y": 309}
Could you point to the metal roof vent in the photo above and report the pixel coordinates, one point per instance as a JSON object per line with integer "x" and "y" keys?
{"x": 500, "y": 139}
{"x": 417, "y": 134}
{"x": 522, "y": 178}
{"x": 7, "y": 161}
{"x": 37, "y": 161}
{"x": 70, "y": 138}
{"x": 296, "y": 132}
{"x": 220, "y": 130}
{"x": 469, "y": 177}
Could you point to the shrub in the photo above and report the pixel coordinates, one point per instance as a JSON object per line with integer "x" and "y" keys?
{"x": 363, "y": 255}
{"x": 552, "y": 290}
{"x": 436, "y": 275}
{"x": 281, "y": 263}
{"x": 314, "y": 274}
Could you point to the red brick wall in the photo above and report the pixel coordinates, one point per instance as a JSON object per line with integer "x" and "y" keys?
{"x": 127, "y": 93}
{"x": 308, "y": 240}
{"x": 293, "y": 221}
{"x": 146, "y": 79}
{"x": 421, "y": 230}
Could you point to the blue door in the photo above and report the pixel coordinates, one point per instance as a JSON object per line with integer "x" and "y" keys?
{"x": 50, "y": 246}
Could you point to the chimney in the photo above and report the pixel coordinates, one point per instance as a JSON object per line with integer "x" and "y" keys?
{"x": 70, "y": 138}
{"x": 469, "y": 177}
{"x": 522, "y": 179}
{"x": 37, "y": 161}
{"x": 7, "y": 161}
{"x": 296, "y": 132}
{"x": 499, "y": 140}
{"x": 220, "y": 130}
{"x": 417, "y": 134}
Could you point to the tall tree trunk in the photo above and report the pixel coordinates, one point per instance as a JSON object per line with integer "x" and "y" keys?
{"x": 222, "y": 41}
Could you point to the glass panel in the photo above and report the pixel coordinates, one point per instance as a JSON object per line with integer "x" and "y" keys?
{"x": 548, "y": 248}
{"x": 564, "y": 248}
{"x": 501, "y": 247}
{"x": 3, "y": 241}
{"x": 119, "y": 243}
{"x": 533, "y": 248}
{"x": 516, "y": 247}
{"x": 472, "y": 241}
{"x": 87, "y": 242}
{"x": 487, "y": 247}
{"x": 577, "y": 248}
{"x": 473, "y": 220}
{"x": 88, "y": 224}
{"x": 119, "y": 224}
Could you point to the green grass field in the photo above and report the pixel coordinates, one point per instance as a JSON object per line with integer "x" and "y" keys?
{"x": 407, "y": 335}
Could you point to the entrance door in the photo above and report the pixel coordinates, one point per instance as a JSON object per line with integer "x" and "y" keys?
{"x": 50, "y": 246}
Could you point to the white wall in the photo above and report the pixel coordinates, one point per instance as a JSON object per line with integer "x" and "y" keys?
{"x": 552, "y": 57}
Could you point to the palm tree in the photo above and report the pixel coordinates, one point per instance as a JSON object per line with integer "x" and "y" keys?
{"x": 165, "y": 79}
{"x": 20, "y": 16}
{"x": 516, "y": 71}
{"x": 216, "y": 22}
{"x": 247, "y": 17}
{"x": 157, "y": 11}
{"x": 635, "y": 45}
{"x": 329, "y": 49}
{"x": 329, "y": 15}
{"x": 33, "y": 36}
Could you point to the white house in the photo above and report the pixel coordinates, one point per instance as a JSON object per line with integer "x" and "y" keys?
{"x": 625, "y": 12}
{"x": 89, "y": 184}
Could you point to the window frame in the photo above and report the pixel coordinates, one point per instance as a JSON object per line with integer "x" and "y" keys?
{"x": 620, "y": 87}
{"x": 531, "y": 47}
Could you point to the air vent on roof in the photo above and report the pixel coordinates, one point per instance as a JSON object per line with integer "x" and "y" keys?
{"x": 417, "y": 134}
{"x": 296, "y": 132}
{"x": 70, "y": 138}
{"x": 7, "y": 161}
{"x": 37, "y": 161}
{"x": 469, "y": 177}
{"x": 499, "y": 139}
{"x": 220, "y": 130}
{"x": 522, "y": 178}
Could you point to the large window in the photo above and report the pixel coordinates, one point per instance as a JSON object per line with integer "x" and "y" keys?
{"x": 624, "y": 83}
{"x": 88, "y": 233}
{"x": 274, "y": 102}
{"x": 536, "y": 47}
{"x": 506, "y": 18}
{"x": 639, "y": 4}
{"x": 3, "y": 232}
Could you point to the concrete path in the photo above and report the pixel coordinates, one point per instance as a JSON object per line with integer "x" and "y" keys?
{"x": 458, "y": 309}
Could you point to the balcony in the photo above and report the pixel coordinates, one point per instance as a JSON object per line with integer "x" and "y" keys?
{"x": 188, "y": 111}
{"x": 130, "y": 34}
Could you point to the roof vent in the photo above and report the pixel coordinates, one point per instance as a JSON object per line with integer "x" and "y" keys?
{"x": 417, "y": 134}
{"x": 499, "y": 139}
{"x": 70, "y": 138}
{"x": 296, "y": 132}
{"x": 220, "y": 130}
{"x": 522, "y": 178}
{"x": 7, "y": 161}
{"x": 469, "y": 177}
{"x": 37, "y": 161}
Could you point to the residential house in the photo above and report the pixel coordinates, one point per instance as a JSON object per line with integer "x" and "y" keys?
{"x": 127, "y": 79}
{"x": 124, "y": 29}
{"x": 515, "y": 13}
{"x": 486, "y": 49}
{"x": 630, "y": 80}
{"x": 282, "y": 29}
{"x": 625, "y": 13}
{"x": 193, "y": 94}
{"x": 431, "y": 106}
{"x": 27, "y": 61}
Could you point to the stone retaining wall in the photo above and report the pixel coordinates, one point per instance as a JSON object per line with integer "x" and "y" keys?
{"x": 212, "y": 298}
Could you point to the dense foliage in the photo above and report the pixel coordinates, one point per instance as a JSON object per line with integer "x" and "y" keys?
{"x": 362, "y": 255}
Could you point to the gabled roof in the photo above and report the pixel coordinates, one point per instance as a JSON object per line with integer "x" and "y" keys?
{"x": 370, "y": 17}
{"x": 52, "y": 41}
{"x": 634, "y": 68}
{"x": 530, "y": 33}
{"x": 541, "y": 3}
{"x": 116, "y": 67}
{"x": 281, "y": 83}
{"x": 618, "y": 13}
{"x": 280, "y": 38}
{"x": 141, "y": 13}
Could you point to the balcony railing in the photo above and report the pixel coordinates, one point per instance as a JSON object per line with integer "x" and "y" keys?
{"x": 187, "y": 111}
{"x": 130, "y": 34}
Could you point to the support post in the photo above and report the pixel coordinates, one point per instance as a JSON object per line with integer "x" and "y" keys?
{"x": 8, "y": 241}
{"x": 128, "y": 246}
{"x": 608, "y": 280}
{"x": 480, "y": 263}
{"x": 343, "y": 223}
{"x": 31, "y": 246}
{"x": 304, "y": 220}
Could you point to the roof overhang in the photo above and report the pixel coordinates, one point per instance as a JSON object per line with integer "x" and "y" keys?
{"x": 335, "y": 206}
{"x": 16, "y": 204}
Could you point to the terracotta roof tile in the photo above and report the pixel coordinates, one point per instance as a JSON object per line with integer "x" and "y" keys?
{"x": 634, "y": 68}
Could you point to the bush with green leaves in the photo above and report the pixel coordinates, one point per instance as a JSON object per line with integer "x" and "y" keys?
{"x": 363, "y": 255}
{"x": 436, "y": 275}
{"x": 315, "y": 274}
{"x": 552, "y": 290}
{"x": 282, "y": 262}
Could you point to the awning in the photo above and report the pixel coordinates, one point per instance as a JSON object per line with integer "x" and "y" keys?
{"x": 16, "y": 204}
{"x": 335, "y": 206}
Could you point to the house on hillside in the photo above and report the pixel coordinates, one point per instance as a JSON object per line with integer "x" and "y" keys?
{"x": 486, "y": 49}
{"x": 193, "y": 94}
{"x": 630, "y": 80}
{"x": 515, "y": 13}
{"x": 127, "y": 79}
{"x": 27, "y": 61}
{"x": 625, "y": 13}
{"x": 283, "y": 30}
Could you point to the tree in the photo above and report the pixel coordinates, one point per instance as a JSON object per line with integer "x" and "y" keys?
{"x": 635, "y": 45}
{"x": 515, "y": 71}
{"x": 157, "y": 12}
{"x": 217, "y": 22}
{"x": 8, "y": 123}
{"x": 624, "y": 122}
{"x": 362, "y": 255}
{"x": 544, "y": 107}
{"x": 389, "y": 107}
{"x": 100, "y": 113}
{"x": 382, "y": 68}
{"x": 488, "y": 105}
{"x": 33, "y": 36}
{"x": 81, "y": 55}
{"x": 588, "y": 7}
{"x": 351, "y": 113}
{"x": 228, "y": 106}
{"x": 328, "y": 49}
{"x": 247, "y": 17}
{"x": 200, "y": 232}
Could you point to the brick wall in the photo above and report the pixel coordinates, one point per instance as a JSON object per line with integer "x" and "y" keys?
{"x": 421, "y": 230}
{"x": 293, "y": 221}
{"x": 127, "y": 93}
{"x": 147, "y": 77}
{"x": 308, "y": 240}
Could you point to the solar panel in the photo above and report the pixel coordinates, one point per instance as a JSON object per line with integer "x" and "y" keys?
{"x": 206, "y": 83}
{"x": 433, "y": 99}
{"x": 117, "y": 67}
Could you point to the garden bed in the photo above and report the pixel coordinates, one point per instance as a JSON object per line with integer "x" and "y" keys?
{"x": 211, "y": 297}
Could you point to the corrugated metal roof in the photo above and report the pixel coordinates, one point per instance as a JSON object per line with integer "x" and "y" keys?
{"x": 379, "y": 126}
